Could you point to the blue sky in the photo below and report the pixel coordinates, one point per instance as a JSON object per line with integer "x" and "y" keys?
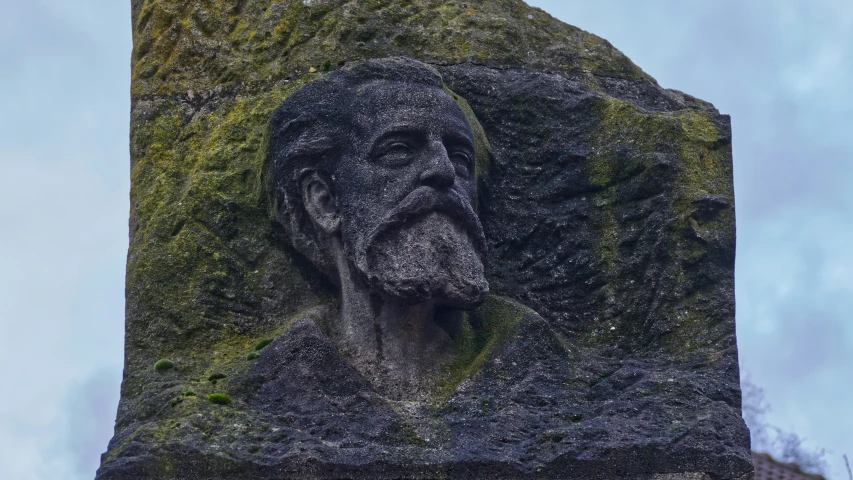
{"x": 782, "y": 68}
{"x": 64, "y": 76}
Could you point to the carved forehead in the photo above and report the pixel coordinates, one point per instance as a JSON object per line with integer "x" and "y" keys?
{"x": 386, "y": 104}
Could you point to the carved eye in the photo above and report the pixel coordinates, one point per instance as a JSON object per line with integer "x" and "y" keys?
{"x": 462, "y": 159}
{"x": 396, "y": 153}
{"x": 398, "y": 148}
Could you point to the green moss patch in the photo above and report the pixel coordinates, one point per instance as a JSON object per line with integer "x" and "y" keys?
{"x": 164, "y": 364}
{"x": 219, "y": 399}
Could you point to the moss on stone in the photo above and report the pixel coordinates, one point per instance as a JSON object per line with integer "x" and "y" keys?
{"x": 197, "y": 45}
{"x": 164, "y": 364}
{"x": 497, "y": 320}
{"x": 219, "y": 398}
{"x": 195, "y": 185}
{"x": 629, "y": 139}
{"x": 481, "y": 142}
{"x": 262, "y": 344}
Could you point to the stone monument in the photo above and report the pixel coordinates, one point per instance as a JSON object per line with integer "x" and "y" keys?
{"x": 391, "y": 239}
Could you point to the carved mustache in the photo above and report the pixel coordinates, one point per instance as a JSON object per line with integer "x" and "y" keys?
{"x": 425, "y": 200}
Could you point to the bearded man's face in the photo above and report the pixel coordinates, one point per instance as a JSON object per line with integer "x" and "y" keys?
{"x": 406, "y": 193}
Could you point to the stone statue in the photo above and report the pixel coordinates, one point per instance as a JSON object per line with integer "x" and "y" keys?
{"x": 373, "y": 169}
{"x": 416, "y": 240}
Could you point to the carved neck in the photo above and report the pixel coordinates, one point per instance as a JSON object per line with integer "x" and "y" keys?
{"x": 399, "y": 347}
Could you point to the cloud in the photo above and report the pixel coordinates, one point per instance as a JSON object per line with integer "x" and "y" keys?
{"x": 91, "y": 409}
{"x": 61, "y": 304}
{"x": 29, "y": 30}
{"x": 63, "y": 230}
{"x": 795, "y": 292}
{"x": 62, "y": 438}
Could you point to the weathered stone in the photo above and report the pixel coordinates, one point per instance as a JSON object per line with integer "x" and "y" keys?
{"x": 607, "y": 349}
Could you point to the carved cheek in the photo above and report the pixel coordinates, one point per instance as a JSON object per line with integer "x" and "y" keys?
{"x": 381, "y": 189}
{"x": 468, "y": 188}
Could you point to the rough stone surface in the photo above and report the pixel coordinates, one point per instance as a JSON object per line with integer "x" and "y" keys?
{"x": 608, "y": 211}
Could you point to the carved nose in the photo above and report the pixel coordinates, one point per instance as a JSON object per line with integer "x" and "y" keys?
{"x": 440, "y": 172}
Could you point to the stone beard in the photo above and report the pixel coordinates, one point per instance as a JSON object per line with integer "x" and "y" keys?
{"x": 429, "y": 257}
{"x": 388, "y": 189}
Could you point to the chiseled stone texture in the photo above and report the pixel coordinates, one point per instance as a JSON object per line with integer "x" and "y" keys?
{"x": 609, "y": 213}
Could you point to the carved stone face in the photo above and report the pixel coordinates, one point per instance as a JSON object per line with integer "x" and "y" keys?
{"x": 406, "y": 193}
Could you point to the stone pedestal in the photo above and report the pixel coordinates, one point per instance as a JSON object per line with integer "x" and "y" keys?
{"x": 606, "y": 348}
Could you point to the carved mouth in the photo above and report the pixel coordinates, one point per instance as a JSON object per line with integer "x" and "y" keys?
{"x": 424, "y": 200}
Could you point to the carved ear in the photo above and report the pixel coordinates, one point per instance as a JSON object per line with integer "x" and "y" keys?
{"x": 319, "y": 201}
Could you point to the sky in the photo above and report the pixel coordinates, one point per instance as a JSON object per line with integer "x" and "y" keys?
{"x": 783, "y": 69}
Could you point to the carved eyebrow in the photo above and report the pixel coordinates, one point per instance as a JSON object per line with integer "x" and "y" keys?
{"x": 458, "y": 139}
{"x": 397, "y": 131}
{"x": 401, "y": 129}
{"x": 459, "y": 132}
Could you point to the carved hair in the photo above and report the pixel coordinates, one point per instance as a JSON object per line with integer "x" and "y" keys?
{"x": 312, "y": 130}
